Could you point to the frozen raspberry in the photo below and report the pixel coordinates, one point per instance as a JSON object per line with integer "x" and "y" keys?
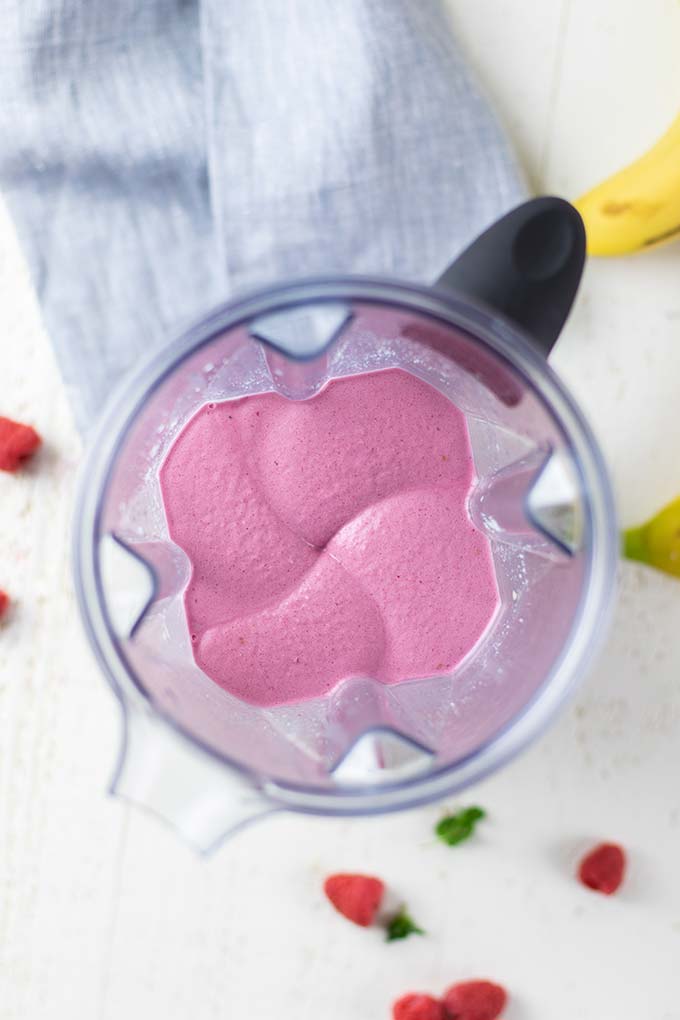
{"x": 416, "y": 1006}
{"x": 474, "y": 1000}
{"x": 603, "y": 868}
{"x": 356, "y": 897}
{"x": 17, "y": 443}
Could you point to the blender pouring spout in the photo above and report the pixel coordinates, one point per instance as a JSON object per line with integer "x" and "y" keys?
{"x": 160, "y": 771}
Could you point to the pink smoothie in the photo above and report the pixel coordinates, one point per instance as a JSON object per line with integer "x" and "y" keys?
{"x": 329, "y": 538}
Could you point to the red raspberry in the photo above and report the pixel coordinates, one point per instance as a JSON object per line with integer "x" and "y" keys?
{"x": 356, "y": 897}
{"x": 4, "y": 603}
{"x": 474, "y": 1000}
{"x": 603, "y": 868}
{"x": 416, "y": 1006}
{"x": 17, "y": 443}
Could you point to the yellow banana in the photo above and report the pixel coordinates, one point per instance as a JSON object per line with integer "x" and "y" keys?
{"x": 657, "y": 542}
{"x": 640, "y": 205}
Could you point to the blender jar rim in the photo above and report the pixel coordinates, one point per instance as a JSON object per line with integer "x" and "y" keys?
{"x": 503, "y": 339}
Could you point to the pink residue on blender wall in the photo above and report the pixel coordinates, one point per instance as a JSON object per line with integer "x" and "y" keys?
{"x": 329, "y": 538}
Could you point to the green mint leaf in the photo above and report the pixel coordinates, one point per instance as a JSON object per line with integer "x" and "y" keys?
{"x": 401, "y": 926}
{"x": 454, "y": 829}
{"x": 474, "y": 814}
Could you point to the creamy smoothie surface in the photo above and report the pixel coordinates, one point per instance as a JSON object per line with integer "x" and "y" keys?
{"x": 329, "y": 538}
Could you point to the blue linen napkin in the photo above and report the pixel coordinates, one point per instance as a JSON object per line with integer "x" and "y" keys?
{"x": 157, "y": 157}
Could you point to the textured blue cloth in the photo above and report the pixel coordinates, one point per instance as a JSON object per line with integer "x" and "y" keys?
{"x": 156, "y": 157}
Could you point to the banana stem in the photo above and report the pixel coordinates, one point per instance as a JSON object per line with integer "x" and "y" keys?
{"x": 635, "y": 544}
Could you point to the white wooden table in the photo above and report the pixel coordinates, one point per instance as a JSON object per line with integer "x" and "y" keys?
{"x": 104, "y": 914}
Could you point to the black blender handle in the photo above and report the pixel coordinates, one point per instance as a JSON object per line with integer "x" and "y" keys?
{"x": 527, "y": 266}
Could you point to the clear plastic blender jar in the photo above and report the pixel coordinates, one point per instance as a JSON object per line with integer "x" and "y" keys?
{"x": 209, "y": 762}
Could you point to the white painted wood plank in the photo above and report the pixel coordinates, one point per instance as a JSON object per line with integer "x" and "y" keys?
{"x": 59, "y": 837}
{"x": 514, "y": 47}
{"x": 619, "y": 91}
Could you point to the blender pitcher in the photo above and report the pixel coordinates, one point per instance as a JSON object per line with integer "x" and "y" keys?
{"x": 207, "y": 761}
